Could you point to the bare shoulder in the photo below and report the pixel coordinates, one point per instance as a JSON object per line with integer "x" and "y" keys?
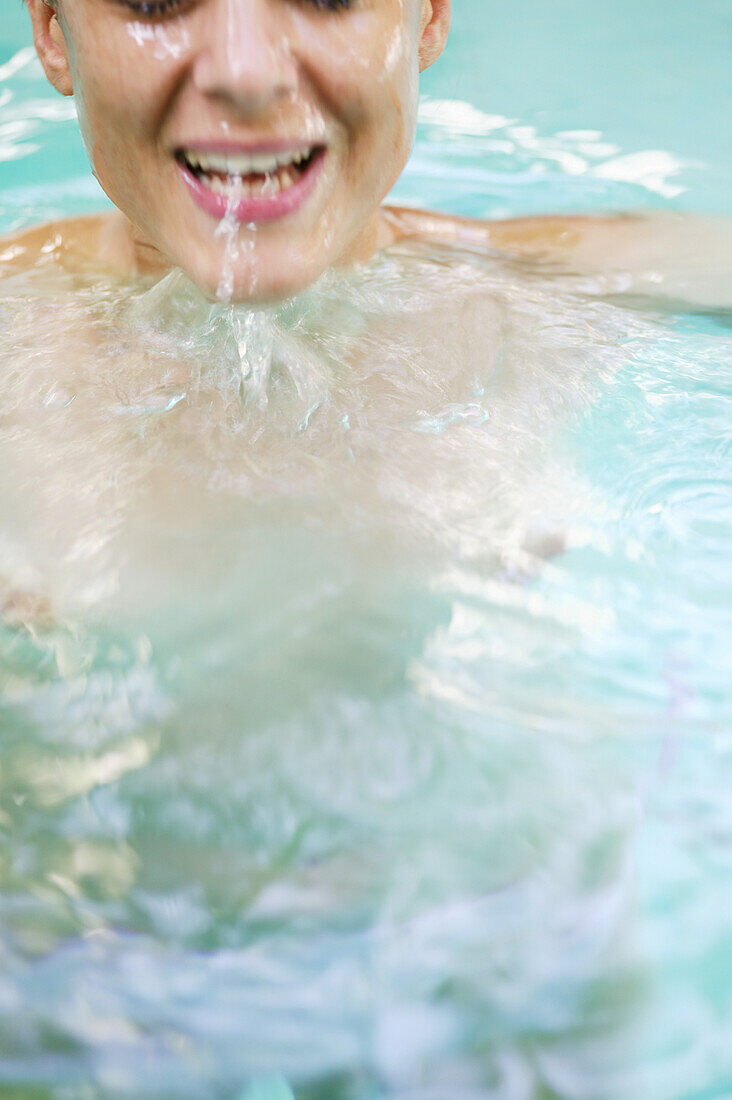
{"x": 93, "y": 242}
{"x": 677, "y": 256}
{"x": 63, "y": 242}
{"x": 547, "y": 236}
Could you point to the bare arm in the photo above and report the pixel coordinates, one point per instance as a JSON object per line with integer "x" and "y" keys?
{"x": 685, "y": 258}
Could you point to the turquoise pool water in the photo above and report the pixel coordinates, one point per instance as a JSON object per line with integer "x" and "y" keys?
{"x": 403, "y": 773}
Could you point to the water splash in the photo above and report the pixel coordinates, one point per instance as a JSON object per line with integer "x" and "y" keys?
{"x": 229, "y": 229}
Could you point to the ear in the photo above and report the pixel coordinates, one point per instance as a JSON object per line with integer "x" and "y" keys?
{"x": 434, "y": 26}
{"x": 50, "y": 44}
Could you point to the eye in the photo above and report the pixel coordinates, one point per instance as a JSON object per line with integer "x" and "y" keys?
{"x": 155, "y": 9}
{"x": 331, "y": 5}
{"x": 158, "y": 9}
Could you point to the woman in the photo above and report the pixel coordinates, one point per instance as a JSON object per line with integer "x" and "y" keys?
{"x": 310, "y": 766}
{"x": 262, "y": 137}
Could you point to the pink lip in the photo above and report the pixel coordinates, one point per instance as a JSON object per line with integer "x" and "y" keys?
{"x": 260, "y": 208}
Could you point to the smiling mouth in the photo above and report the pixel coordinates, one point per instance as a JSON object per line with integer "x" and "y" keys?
{"x": 243, "y": 176}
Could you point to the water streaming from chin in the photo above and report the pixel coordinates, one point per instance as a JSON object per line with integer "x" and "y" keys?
{"x": 308, "y": 762}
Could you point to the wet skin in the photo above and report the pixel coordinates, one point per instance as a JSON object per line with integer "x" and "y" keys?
{"x": 682, "y": 260}
{"x": 238, "y": 76}
{"x": 247, "y": 74}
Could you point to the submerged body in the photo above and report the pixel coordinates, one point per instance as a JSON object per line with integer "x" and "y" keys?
{"x": 667, "y": 262}
{"x": 322, "y": 767}
{"x": 103, "y": 337}
{"x": 124, "y": 394}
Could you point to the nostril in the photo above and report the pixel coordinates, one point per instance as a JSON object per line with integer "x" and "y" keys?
{"x": 242, "y": 75}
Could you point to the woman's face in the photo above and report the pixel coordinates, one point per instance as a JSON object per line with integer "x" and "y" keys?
{"x": 250, "y": 141}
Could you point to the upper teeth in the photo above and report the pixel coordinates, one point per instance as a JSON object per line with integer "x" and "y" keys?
{"x": 244, "y": 164}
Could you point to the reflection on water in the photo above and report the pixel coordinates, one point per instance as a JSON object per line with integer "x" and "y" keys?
{"x": 360, "y": 661}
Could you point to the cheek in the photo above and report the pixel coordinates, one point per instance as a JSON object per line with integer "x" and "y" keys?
{"x": 160, "y": 43}
{"x": 123, "y": 88}
{"x": 114, "y": 128}
{"x": 375, "y": 90}
{"x": 368, "y": 66}
{"x": 109, "y": 134}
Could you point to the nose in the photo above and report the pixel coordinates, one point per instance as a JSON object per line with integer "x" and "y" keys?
{"x": 245, "y": 56}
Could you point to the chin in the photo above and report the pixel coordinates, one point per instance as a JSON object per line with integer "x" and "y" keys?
{"x": 256, "y": 283}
